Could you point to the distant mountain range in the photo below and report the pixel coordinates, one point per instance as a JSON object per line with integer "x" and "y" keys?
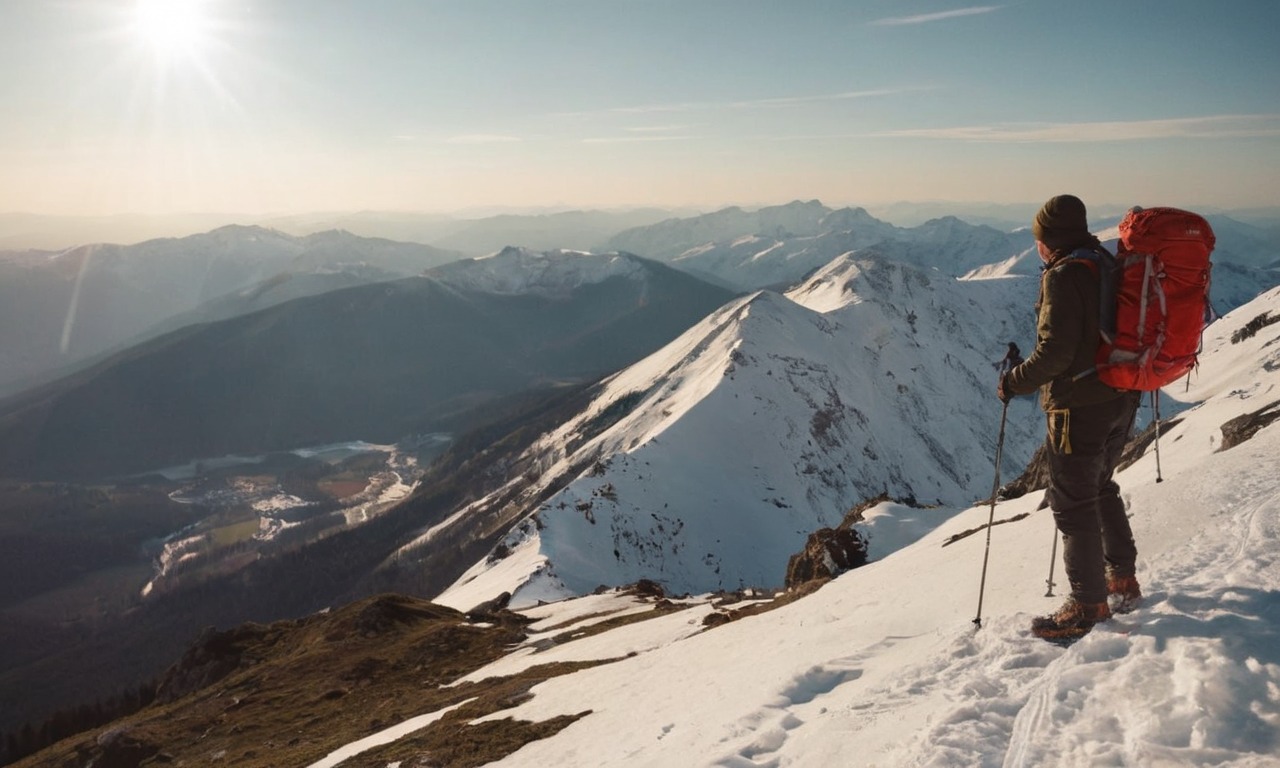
{"x": 776, "y": 247}
{"x": 474, "y": 233}
{"x": 373, "y": 362}
{"x": 58, "y": 309}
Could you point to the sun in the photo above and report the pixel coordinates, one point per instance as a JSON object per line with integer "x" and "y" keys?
{"x": 171, "y": 26}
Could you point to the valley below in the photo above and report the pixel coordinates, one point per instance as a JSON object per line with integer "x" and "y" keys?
{"x": 82, "y": 562}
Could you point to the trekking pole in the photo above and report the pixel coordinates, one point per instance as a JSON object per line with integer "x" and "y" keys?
{"x": 995, "y": 488}
{"x": 1053, "y": 559}
{"x": 1155, "y": 406}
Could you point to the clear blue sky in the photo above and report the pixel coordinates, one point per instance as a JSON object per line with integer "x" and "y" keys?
{"x": 257, "y": 106}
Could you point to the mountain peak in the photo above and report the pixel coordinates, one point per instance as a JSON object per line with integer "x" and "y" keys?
{"x": 243, "y": 232}
{"x": 792, "y": 409}
{"x": 556, "y": 273}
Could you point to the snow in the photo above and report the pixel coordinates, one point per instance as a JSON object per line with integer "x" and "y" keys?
{"x": 280, "y": 502}
{"x": 769, "y": 419}
{"x": 884, "y": 666}
{"x": 384, "y": 737}
{"x": 552, "y": 274}
{"x": 637, "y": 638}
{"x": 517, "y": 568}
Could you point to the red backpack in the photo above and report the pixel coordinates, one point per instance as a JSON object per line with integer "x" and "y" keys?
{"x": 1162, "y": 298}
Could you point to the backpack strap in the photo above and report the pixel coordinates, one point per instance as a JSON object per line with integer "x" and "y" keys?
{"x": 1106, "y": 269}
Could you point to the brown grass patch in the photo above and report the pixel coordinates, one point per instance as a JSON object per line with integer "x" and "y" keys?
{"x": 292, "y": 692}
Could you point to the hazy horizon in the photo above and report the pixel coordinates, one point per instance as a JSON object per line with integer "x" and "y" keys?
{"x": 253, "y": 108}
{"x": 21, "y": 230}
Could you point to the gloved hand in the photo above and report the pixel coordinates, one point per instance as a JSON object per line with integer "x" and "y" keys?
{"x": 1003, "y": 392}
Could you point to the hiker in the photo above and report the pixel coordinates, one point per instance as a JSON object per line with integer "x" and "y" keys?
{"x": 1088, "y": 424}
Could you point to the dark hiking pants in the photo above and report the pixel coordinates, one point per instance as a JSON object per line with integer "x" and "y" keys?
{"x": 1084, "y": 445}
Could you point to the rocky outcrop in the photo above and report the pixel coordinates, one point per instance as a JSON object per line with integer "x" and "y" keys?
{"x": 828, "y": 553}
{"x": 213, "y": 656}
{"x": 1242, "y": 428}
{"x": 119, "y": 748}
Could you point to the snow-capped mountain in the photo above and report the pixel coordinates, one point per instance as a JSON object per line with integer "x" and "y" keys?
{"x": 751, "y": 252}
{"x": 550, "y": 274}
{"x": 669, "y": 238}
{"x": 769, "y": 419}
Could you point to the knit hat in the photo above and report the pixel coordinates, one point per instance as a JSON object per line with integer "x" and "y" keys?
{"x": 1061, "y": 223}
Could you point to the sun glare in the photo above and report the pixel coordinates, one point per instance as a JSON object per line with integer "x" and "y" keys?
{"x": 171, "y": 26}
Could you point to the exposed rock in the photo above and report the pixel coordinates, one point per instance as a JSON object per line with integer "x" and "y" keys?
{"x": 1138, "y": 445}
{"x": 715, "y": 619}
{"x": 828, "y": 553}
{"x": 967, "y": 533}
{"x": 213, "y": 656}
{"x": 1251, "y": 328}
{"x": 1034, "y": 478}
{"x": 386, "y": 613}
{"x": 118, "y": 748}
{"x": 1241, "y": 428}
{"x": 647, "y": 588}
{"x": 489, "y": 607}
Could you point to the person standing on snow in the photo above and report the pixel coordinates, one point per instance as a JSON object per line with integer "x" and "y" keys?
{"x": 1088, "y": 425}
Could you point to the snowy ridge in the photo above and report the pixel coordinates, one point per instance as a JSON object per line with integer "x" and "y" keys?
{"x": 548, "y": 273}
{"x": 706, "y": 465}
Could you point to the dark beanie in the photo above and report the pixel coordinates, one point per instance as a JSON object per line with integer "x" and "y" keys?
{"x": 1061, "y": 223}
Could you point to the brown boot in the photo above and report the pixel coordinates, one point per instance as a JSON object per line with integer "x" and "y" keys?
{"x": 1123, "y": 593}
{"x": 1073, "y": 620}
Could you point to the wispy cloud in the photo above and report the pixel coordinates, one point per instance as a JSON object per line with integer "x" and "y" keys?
{"x": 633, "y": 139}
{"x": 465, "y": 138}
{"x": 925, "y": 18}
{"x": 783, "y": 101}
{"x": 1212, "y": 127}
{"x": 702, "y": 106}
{"x": 483, "y": 138}
{"x": 657, "y": 128}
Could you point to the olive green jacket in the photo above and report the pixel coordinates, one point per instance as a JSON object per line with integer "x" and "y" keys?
{"x": 1066, "y": 340}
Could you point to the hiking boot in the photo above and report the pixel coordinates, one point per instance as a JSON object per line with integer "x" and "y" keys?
{"x": 1123, "y": 593}
{"x": 1073, "y": 620}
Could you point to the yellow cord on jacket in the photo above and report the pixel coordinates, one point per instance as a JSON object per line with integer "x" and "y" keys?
{"x": 1061, "y": 440}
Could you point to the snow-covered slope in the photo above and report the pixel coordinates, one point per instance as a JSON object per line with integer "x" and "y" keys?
{"x": 707, "y": 464}
{"x": 884, "y": 666}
